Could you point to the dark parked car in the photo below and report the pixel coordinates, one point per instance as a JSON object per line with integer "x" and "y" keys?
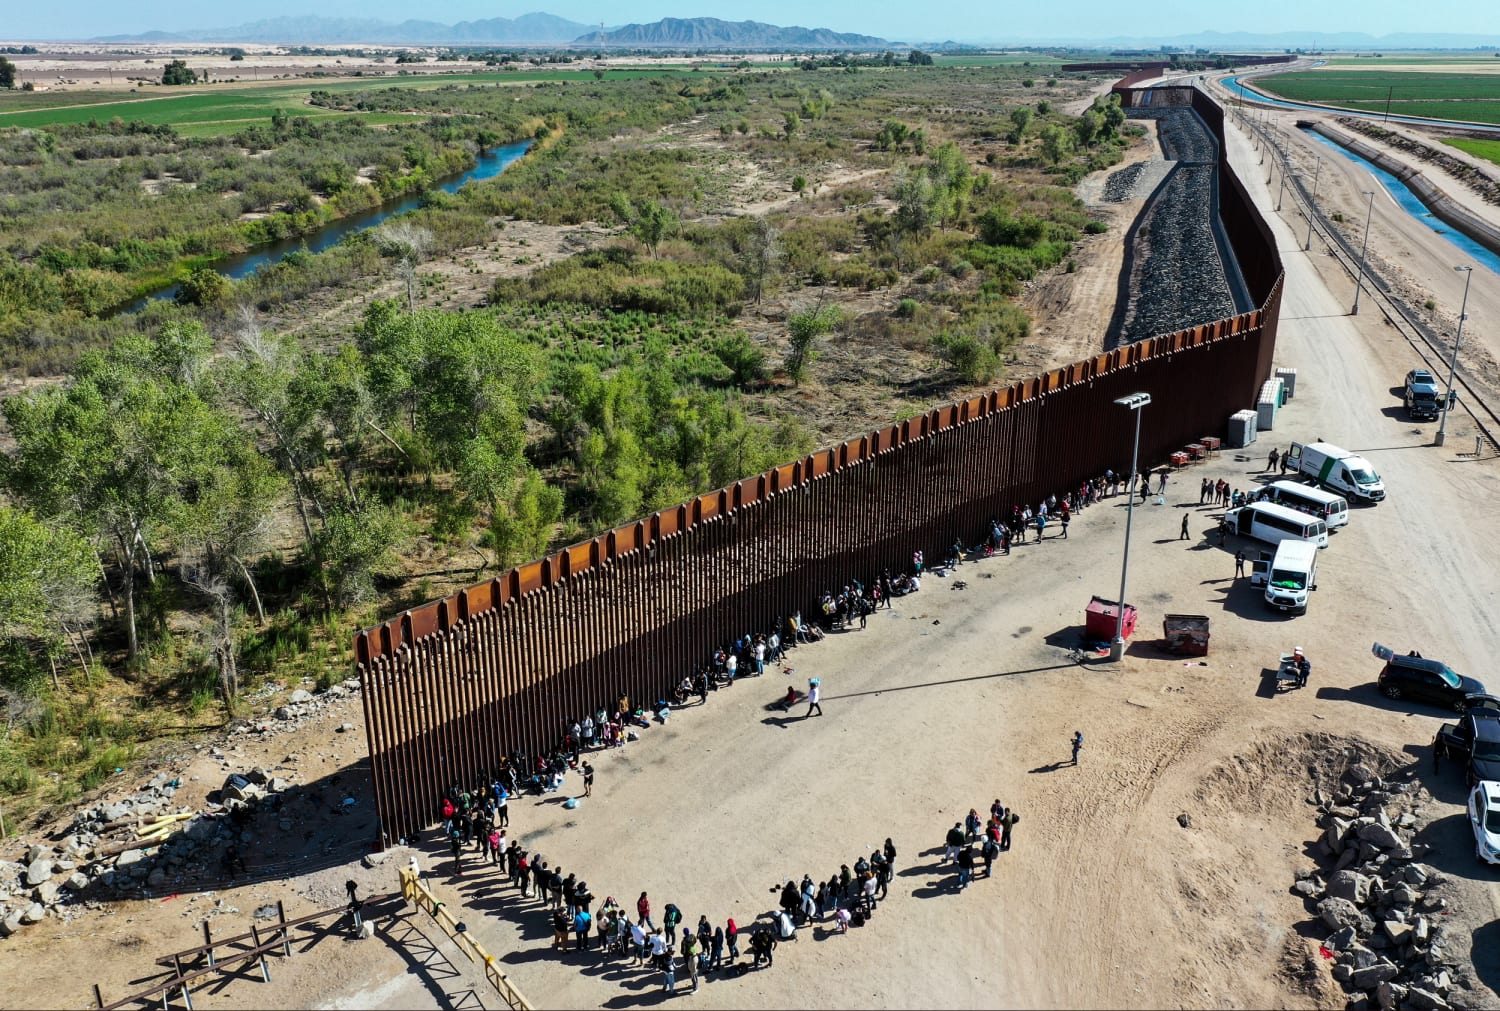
{"x": 1421, "y": 395}
{"x": 1424, "y": 680}
{"x": 1473, "y": 742}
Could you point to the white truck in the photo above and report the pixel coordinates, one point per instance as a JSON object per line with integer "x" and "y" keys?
{"x": 1294, "y": 571}
{"x": 1338, "y": 469}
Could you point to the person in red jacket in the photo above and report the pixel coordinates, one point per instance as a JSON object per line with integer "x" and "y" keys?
{"x": 643, "y": 912}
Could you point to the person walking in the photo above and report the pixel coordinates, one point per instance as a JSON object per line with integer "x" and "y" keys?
{"x": 814, "y": 693}
{"x": 990, "y": 851}
{"x": 1067, "y": 518}
{"x": 643, "y": 912}
{"x": 1286, "y": 459}
{"x": 588, "y": 780}
{"x": 670, "y": 919}
{"x": 732, "y": 938}
{"x": 1184, "y": 534}
{"x": 1007, "y": 822}
{"x": 1239, "y": 563}
{"x": 1077, "y": 744}
{"x": 1271, "y": 460}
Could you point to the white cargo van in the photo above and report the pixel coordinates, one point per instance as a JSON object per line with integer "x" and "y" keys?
{"x": 1338, "y": 469}
{"x": 1294, "y": 571}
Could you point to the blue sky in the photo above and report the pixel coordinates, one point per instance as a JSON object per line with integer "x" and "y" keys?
{"x": 894, "y": 19}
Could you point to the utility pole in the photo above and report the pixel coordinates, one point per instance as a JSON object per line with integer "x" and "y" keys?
{"x": 1364, "y": 246}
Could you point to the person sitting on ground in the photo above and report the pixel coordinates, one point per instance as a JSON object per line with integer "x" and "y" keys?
{"x": 790, "y": 699}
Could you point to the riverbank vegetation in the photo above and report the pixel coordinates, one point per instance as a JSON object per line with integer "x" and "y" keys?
{"x": 208, "y": 496}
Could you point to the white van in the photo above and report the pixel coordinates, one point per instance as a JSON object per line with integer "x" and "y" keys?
{"x": 1273, "y": 524}
{"x": 1330, "y": 508}
{"x": 1338, "y": 469}
{"x": 1294, "y": 571}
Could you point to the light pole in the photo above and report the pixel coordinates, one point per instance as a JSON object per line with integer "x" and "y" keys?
{"x": 1135, "y": 402}
{"x": 1364, "y": 246}
{"x": 1312, "y": 203}
{"x": 1463, "y": 314}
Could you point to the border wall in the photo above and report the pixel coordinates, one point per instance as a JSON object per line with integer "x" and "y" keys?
{"x": 504, "y": 665}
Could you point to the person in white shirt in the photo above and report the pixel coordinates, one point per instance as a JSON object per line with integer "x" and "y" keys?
{"x": 731, "y": 664}
{"x": 814, "y": 693}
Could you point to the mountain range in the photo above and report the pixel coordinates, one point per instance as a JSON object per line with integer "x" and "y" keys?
{"x": 535, "y": 28}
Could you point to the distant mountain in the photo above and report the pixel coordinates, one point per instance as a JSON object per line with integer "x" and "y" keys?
{"x": 694, "y": 33}
{"x": 312, "y": 30}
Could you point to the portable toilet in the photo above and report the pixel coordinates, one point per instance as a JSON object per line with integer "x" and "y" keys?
{"x": 1242, "y": 428}
{"x": 1288, "y": 379}
{"x": 1266, "y": 407}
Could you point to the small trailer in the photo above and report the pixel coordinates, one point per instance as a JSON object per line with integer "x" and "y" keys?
{"x": 1186, "y": 634}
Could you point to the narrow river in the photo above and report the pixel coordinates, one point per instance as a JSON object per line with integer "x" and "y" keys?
{"x": 491, "y": 163}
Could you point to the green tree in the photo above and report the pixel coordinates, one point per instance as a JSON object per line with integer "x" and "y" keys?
{"x": 760, "y": 255}
{"x": 1054, "y": 143}
{"x": 178, "y": 72}
{"x": 356, "y": 544}
{"x": 7, "y": 74}
{"x": 1088, "y": 126}
{"x": 206, "y": 287}
{"x": 803, "y": 330}
{"x": 47, "y": 577}
{"x": 1020, "y": 118}
{"x": 914, "y": 204}
{"x": 126, "y": 449}
{"x": 790, "y": 124}
{"x": 650, "y": 222}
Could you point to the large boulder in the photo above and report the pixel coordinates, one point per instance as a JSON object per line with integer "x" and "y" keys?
{"x": 300, "y": 696}
{"x": 1397, "y": 931}
{"x": 33, "y": 913}
{"x": 130, "y": 857}
{"x": 1337, "y": 913}
{"x": 1351, "y": 885}
{"x": 76, "y": 882}
{"x": 1340, "y": 939}
{"x": 1389, "y": 996}
{"x": 1424, "y": 1001}
{"x": 46, "y": 892}
{"x": 1380, "y": 835}
{"x": 1358, "y": 773}
{"x": 1380, "y": 972}
{"x": 1334, "y": 835}
{"x": 38, "y": 871}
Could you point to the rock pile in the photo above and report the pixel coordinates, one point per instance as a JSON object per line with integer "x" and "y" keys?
{"x": 301, "y": 706}
{"x": 100, "y": 857}
{"x": 1377, "y": 898}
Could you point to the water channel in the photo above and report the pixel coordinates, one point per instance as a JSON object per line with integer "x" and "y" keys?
{"x": 1409, "y": 202}
{"x": 1249, "y": 94}
{"x": 490, "y": 164}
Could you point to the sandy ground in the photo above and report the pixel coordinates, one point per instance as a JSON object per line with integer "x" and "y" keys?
{"x": 955, "y": 697}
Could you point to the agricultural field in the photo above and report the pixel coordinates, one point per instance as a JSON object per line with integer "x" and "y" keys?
{"x": 1458, "y": 96}
{"x": 1489, "y": 150}
{"x": 218, "y": 110}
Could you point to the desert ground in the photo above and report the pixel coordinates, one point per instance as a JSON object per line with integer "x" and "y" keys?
{"x": 955, "y": 697}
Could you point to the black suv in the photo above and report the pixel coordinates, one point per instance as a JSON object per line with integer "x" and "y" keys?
{"x": 1421, "y": 395}
{"x": 1415, "y": 677}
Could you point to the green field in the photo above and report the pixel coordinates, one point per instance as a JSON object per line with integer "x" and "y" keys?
{"x": 1471, "y": 97}
{"x": 203, "y": 111}
{"x": 1489, "y": 150}
{"x": 1043, "y": 64}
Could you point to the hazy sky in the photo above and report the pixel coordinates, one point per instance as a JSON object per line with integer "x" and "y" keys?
{"x": 894, "y": 19}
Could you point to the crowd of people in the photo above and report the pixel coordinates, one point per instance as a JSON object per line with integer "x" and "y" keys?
{"x": 992, "y": 835}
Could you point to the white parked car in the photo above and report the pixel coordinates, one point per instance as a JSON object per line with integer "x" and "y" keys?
{"x": 1484, "y": 819}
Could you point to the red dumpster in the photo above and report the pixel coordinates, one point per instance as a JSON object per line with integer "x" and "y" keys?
{"x": 1100, "y": 617}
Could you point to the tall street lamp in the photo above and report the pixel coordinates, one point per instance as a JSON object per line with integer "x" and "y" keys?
{"x": 1463, "y": 314}
{"x": 1135, "y": 402}
{"x": 1312, "y": 204}
{"x": 1360, "y": 284}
